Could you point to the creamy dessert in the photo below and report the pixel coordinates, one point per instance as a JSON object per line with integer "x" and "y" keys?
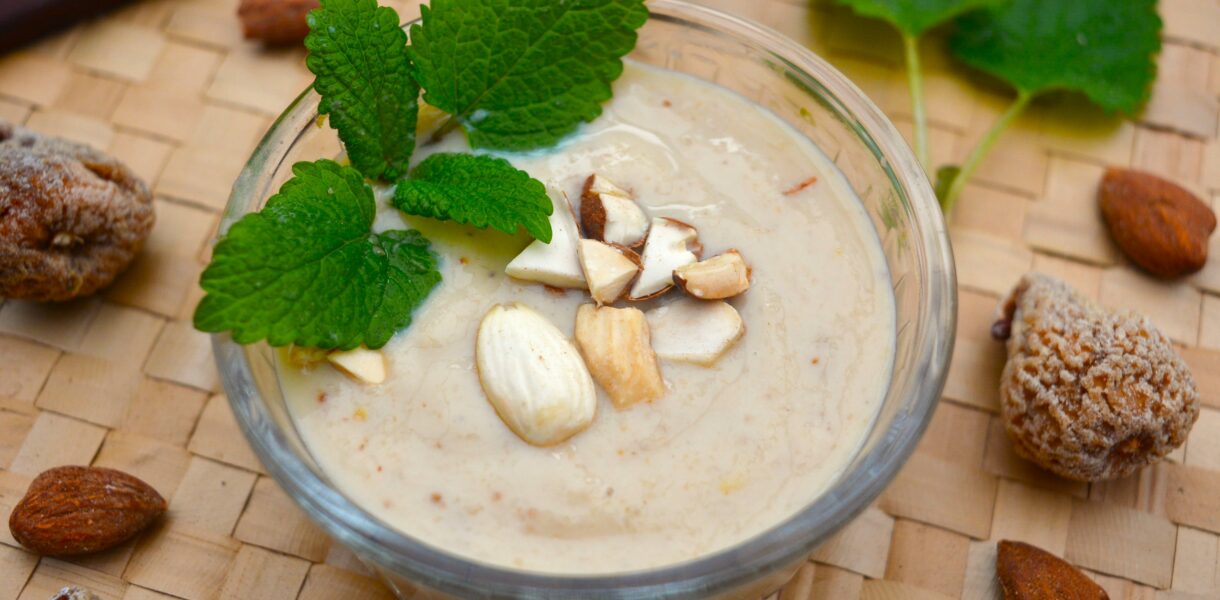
{"x": 745, "y": 428}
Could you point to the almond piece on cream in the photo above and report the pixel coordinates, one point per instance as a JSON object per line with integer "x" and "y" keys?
{"x": 616, "y": 346}
{"x": 716, "y": 278}
{"x": 533, "y": 375}
{"x": 671, "y": 244}
{"x": 600, "y": 185}
{"x": 555, "y": 264}
{"x": 695, "y": 331}
{"x": 608, "y": 214}
{"x": 609, "y": 269}
{"x": 360, "y": 363}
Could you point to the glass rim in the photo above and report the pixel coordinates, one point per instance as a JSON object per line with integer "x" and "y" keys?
{"x": 848, "y": 495}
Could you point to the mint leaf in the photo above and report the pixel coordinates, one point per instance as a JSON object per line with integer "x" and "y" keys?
{"x": 914, "y": 17}
{"x": 1104, "y": 49}
{"x": 521, "y": 74}
{"x": 306, "y": 270}
{"x": 476, "y": 190}
{"x": 357, "y": 51}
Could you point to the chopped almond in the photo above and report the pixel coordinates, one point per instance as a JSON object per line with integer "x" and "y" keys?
{"x": 671, "y": 244}
{"x": 617, "y": 349}
{"x": 695, "y": 331}
{"x": 556, "y": 263}
{"x": 716, "y": 278}
{"x": 600, "y": 185}
{"x": 609, "y": 269}
{"x": 608, "y": 214}
{"x": 361, "y": 364}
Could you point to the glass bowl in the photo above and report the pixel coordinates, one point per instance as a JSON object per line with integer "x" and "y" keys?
{"x": 818, "y": 101}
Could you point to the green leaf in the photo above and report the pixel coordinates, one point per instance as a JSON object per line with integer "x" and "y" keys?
{"x": 357, "y": 51}
{"x": 914, "y": 17}
{"x": 306, "y": 270}
{"x": 1104, "y": 49}
{"x": 521, "y": 74}
{"x": 476, "y": 190}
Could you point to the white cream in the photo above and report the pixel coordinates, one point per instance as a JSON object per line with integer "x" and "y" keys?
{"x": 729, "y": 452}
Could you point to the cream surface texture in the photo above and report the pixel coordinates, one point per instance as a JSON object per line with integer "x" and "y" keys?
{"x": 730, "y": 450}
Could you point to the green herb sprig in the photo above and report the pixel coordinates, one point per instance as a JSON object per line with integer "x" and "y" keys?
{"x": 912, "y": 19}
{"x": 1102, "y": 49}
{"x": 514, "y": 74}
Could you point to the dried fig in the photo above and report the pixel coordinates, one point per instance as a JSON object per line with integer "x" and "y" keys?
{"x": 71, "y": 218}
{"x": 1087, "y": 393}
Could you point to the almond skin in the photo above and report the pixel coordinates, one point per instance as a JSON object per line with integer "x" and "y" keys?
{"x": 275, "y": 21}
{"x": 1030, "y": 573}
{"x": 77, "y": 510}
{"x": 1159, "y": 225}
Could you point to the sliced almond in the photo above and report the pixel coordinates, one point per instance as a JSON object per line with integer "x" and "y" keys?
{"x": 609, "y": 269}
{"x": 608, "y": 214}
{"x": 533, "y": 375}
{"x": 616, "y": 346}
{"x": 671, "y": 244}
{"x": 695, "y": 331}
{"x": 360, "y": 363}
{"x": 600, "y": 185}
{"x": 556, "y": 263}
{"x": 716, "y": 278}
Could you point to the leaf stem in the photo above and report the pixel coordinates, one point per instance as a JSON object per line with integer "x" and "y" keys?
{"x": 975, "y": 159}
{"x": 447, "y": 127}
{"x": 915, "y": 81}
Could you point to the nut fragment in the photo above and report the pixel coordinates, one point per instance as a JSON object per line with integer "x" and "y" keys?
{"x": 71, "y": 218}
{"x": 716, "y": 278}
{"x": 275, "y": 21}
{"x": 671, "y": 244}
{"x": 1029, "y": 573}
{"x": 695, "y": 331}
{"x": 555, "y": 264}
{"x": 1086, "y": 393}
{"x": 360, "y": 363}
{"x": 77, "y": 510}
{"x": 616, "y": 346}
{"x": 1159, "y": 225}
{"x": 608, "y": 214}
{"x": 533, "y": 375}
{"x": 609, "y": 269}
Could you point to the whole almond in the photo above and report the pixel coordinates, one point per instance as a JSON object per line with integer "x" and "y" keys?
{"x": 76, "y": 510}
{"x": 275, "y": 21}
{"x": 1030, "y": 573}
{"x": 1161, "y": 226}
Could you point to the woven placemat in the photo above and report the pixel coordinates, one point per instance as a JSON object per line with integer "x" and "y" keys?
{"x": 123, "y": 380}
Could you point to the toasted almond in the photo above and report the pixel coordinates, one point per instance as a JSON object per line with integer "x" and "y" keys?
{"x": 1030, "y": 573}
{"x": 616, "y": 346}
{"x": 671, "y": 244}
{"x": 533, "y": 375}
{"x": 695, "y": 331}
{"x": 556, "y": 263}
{"x": 716, "y": 278}
{"x": 609, "y": 269}
{"x": 608, "y": 214}
{"x": 361, "y": 364}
